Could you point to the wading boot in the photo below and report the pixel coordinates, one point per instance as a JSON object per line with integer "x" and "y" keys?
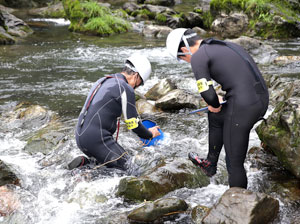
{"x": 204, "y": 164}
{"x": 78, "y": 162}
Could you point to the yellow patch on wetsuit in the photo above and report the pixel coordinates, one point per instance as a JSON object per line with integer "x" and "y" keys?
{"x": 132, "y": 123}
{"x": 203, "y": 85}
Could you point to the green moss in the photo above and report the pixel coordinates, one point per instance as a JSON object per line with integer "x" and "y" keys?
{"x": 90, "y": 17}
{"x": 144, "y": 13}
{"x": 207, "y": 19}
{"x": 161, "y": 18}
{"x": 263, "y": 12}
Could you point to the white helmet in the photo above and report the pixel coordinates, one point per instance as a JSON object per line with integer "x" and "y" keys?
{"x": 173, "y": 41}
{"x": 141, "y": 65}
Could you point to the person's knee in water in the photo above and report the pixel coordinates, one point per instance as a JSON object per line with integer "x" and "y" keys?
{"x": 109, "y": 98}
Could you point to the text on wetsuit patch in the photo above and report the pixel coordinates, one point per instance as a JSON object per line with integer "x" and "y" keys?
{"x": 203, "y": 85}
{"x": 132, "y": 123}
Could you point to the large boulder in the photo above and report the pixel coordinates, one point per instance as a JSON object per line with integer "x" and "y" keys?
{"x": 160, "y": 89}
{"x": 161, "y": 180}
{"x": 153, "y": 211}
{"x": 178, "y": 99}
{"x": 262, "y": 53}
{"x": 230, "y": 26}
{"x": 12, "y": 28}
{"x": 158, "y": 2}
{"x": 239, "y": 205}
{"x": 49, "y": 138}
{"x": 281, "y": 133}
{"x": 156, "y": 31}
{"x": 52, "y": 11}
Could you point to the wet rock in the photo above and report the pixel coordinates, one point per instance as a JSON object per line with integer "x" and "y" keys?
{"x": 198, "y": 213}
{"x": 262, "y": 53}
{"x": 14, "y": 26}
{"x": 281, "y": 134}
{"x": 46, "y": 139}
{"x": 7, "y": 176}
{"x": 160, "y": 89}
{"x": 156, "y": 31}
{"x": 275, "y": 179}
{"x": 161, "y": 180}
{"x": 8, "y": 201}
{"x": 201, "y": 32}
{"x": 27, "y": 116}
{"x": 155, "y": 9}
{"x": 194, "y": 20}
{"x": 52, "y": 11}
{"x": 144, "y": 107}
{"x": 232, "y": 25}
{"x": 178, "y": 99}
{"x": 158, "y": 2}
{"x": 26, "y": 3}
{"x": 177, "y": 21}
{"x": 130, "y": 7}
{"x": 239, "y": 205}
{"x": 151, "y": 211}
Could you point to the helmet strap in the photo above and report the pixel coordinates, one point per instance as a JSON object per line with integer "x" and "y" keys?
{"x": 184, "y": 38}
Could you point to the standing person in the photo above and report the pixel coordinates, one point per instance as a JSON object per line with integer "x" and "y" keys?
{"x": 246, "y": 94}
{"x": 108, "y": 99}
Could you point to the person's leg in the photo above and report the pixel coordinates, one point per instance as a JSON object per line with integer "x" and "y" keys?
{"x": 215, "y": 139}
{"x": 110, "y": 154}
{"x": 236, "y": 131}
{"x": 215, "y": 136}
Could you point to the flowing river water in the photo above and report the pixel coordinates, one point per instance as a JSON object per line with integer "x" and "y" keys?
{"x": 55, "y": 68}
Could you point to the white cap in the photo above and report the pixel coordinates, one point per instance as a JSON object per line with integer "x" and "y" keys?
{"x": 173, "y": 41}
{"x": 141, "y": 65}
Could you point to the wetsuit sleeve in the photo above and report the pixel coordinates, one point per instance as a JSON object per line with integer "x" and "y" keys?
{"x": 200, "y": 66}
{"x": 131, "y": 116}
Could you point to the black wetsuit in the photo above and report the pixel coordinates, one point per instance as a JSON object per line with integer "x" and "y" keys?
{"x": 94, "y": 132}
{"x": 247, "y": 101}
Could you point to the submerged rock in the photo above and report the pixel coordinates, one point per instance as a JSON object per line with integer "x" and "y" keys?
{"x": 8, "y": 201}
{"x": 151, "y": 211}
{"x": 7, "y": 176}
{"x": 239, "y": 205}
{"x": 27, "y": 116}
{"x": 161, "y": 180}
{"x": 46, "y": 139}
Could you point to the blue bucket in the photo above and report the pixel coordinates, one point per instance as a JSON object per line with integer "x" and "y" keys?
{"x": 153, "y": 141}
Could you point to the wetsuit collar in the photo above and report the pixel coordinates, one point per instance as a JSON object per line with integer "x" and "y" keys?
{"x": 120, "y": 76}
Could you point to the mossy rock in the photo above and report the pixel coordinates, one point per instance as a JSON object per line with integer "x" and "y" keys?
{"x": 268, "y": 18}
{"x": 152, "y": 211}
{"x": 91, "y": 18}
{"x": 162, "y": 180}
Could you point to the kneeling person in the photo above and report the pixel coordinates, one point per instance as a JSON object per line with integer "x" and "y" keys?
{"x": 108, "y": 99}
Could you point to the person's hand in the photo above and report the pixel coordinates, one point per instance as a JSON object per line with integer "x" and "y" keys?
{"x": 154, "y": 131}
{"x": 216, "y": 110}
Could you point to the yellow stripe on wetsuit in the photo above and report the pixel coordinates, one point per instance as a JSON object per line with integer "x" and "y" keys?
{"x": 203, "y": 85}
{"x": 132, "y": 123}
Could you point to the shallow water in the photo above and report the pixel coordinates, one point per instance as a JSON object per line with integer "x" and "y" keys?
{"x": 55, "y": 68}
